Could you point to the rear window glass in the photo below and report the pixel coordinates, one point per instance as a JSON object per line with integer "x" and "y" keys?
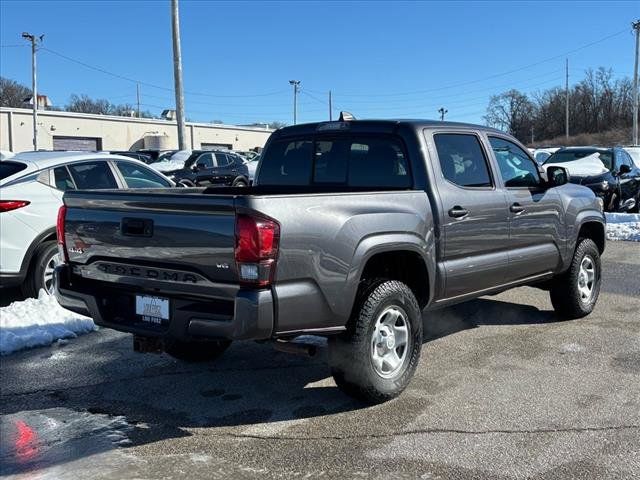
{"x": 375, "y": 162}
{"x": 9, "y": 168}
{"x": 604, "y": 157}
{"x": 462, "y": 160}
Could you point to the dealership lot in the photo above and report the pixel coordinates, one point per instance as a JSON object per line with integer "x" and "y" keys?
{"x": 504, "y": 390}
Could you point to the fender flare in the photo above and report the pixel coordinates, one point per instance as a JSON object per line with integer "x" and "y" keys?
{"x": 382, "y": 243}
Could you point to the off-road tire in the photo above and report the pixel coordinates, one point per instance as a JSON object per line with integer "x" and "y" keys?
{"x": 202, "y": 351}
{"x": 350, "y": 356}
{"x": 35, "y": 276}
{"x": 565, "y": 295}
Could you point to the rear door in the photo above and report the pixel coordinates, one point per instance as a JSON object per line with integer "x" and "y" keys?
{"x": 535, "y": 213}
{"x": 474, "y": 214}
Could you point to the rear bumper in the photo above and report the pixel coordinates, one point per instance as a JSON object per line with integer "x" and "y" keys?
{"x": 249, "y": 315}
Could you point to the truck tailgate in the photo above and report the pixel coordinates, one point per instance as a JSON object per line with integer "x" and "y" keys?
{"x": 164, "y": 236}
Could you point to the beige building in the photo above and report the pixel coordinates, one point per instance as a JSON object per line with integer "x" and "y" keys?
{"x": 82, "y": 131}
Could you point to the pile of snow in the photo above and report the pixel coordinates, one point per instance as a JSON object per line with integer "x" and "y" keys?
{"x": 623, "y": 226}
{"x": 37, "y": 322}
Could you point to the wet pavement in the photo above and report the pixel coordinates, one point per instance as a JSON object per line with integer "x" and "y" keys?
{"x": 504, "y": 390}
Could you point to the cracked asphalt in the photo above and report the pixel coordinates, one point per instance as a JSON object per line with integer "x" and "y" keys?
{"x": 504, "y": 390}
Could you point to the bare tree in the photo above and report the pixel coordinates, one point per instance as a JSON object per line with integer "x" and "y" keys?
{"x": 12, "y": 93}
{"x": 512, "y": 112}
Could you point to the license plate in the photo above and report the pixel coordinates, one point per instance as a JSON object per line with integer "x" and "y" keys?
{"x": 152, "y": 309}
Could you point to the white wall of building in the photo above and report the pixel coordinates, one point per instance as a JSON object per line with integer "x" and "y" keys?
{"x": 116, "y": 133}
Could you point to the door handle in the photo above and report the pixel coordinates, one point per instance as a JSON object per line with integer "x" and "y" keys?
{"x": 516, "y": 208}
{"x": 458, "y": 212}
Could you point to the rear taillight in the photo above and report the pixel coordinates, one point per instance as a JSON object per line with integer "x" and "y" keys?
{"x": 62, "y": 246}
{"x": 8, "y": 205}
{"x": 257, "y": 240}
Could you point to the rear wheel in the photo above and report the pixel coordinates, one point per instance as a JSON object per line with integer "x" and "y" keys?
{"x": 202, "y": 351}
{"x": 376, "y": 358}
{"x": 574, "y": 294}
{"x": 40, "y": 274}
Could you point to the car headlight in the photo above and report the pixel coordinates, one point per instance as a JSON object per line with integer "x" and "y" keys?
{"x": 603, "y": 185}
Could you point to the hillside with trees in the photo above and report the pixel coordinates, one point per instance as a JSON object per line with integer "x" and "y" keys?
{"x": 600, "y": 108}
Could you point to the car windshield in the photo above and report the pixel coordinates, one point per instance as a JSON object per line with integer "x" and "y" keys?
{"x": 9, "y": 168}
{"x": 605, "y": 157}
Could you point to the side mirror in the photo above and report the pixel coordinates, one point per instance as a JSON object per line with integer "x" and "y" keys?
{"x": 194, "y": 168}
{"x": 624, "y": 169}
{"x": 557, "y": 176}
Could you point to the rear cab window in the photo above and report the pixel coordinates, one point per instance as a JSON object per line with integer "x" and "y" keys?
{"x": 8, "y": 168}
{"x": 360, "y": 161}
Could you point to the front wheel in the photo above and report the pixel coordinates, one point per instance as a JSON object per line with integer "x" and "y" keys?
{"x": 239, "y": 183}
{"x": 376, "y": 358}
{"x": 202, "y": 351}
{"x": 574, "y": 294}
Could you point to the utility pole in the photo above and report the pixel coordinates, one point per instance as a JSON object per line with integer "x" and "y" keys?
{"x": 296, "y": 86}
{"x": 330, "y": 107}
{"x": 532, "y": 134}
{"x": 442, "y": 111}
{"x": 177, "y": 75}
{"x": 566, "y": 100}
{"x": 636, "y": 27}
{"x": 138, "y": 98}
{"x": 34, "y": 84}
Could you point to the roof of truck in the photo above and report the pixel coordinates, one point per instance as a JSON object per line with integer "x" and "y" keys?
{"x": 383, "y": 124}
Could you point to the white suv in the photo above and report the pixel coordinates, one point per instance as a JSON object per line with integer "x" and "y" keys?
{"x": 31, "y": 189}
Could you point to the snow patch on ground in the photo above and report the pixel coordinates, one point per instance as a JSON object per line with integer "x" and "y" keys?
{"x": 37, "y": 322}
{"x": 623, "y": 226}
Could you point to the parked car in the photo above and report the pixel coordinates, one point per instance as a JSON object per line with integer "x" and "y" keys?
{"x": 252, "y": 166}
{"x": 31, "y": 189}
{"x": 157, "y": 155}
{"x": 541, "y": 154}
{"x": 211, "y": 168}
{"x": 352, "y": 229}
{"x": 610, "y": 172}
{"x": 248, "y": 154}
{"x": 143, "y": 157}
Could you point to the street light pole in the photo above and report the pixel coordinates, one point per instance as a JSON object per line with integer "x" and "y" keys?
{"x": 34, "y": 84}
{"x": 177, "y": 75}
{"x": 636, "y": 27}
{"x": 442, "y": 111}
{"x": 296, "y": 86}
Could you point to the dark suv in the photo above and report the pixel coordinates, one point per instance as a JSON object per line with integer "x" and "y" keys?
{"x": 609, "y": 172}
{"x": 211, "y": 168}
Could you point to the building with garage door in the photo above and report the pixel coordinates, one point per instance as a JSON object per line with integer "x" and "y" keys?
{"x": 84, "y": 131}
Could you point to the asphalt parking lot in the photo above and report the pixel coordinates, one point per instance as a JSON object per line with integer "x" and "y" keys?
{"x": 504, "y": 390}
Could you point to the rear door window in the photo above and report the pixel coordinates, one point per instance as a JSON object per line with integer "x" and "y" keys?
{"x": 462, "y": 160}
{"x": 92, "y": 175}
{"x": 10, "y": 168}
{"x": 375, "y": 162}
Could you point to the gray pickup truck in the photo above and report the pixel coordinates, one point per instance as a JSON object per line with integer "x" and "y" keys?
{"x": 352, "y": 230}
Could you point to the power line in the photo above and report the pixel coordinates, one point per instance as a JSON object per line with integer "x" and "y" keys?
{"x": 16, "y": 45}
{"x": 151, "y": 85}
{"x": 490, "y": 77}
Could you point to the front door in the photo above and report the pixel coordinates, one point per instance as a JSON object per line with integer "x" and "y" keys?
{"x": 536, "y": 225}
{"x": 474, "y": 215}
